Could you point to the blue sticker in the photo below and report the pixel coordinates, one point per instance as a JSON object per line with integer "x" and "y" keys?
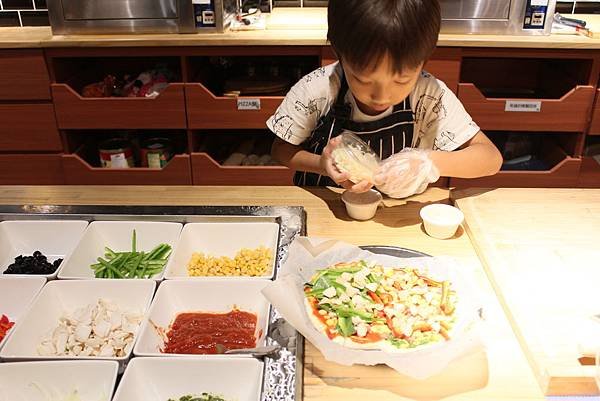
{"x": 535, "y": 14}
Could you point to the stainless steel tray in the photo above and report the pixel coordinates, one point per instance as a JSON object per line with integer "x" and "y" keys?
{"x": 283, "y": 378}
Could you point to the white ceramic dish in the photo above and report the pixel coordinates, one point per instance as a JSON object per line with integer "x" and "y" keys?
{"x": 56, "y": 380}
{"x": 441, "y": 221}
{"x": 362, "y": 206}
{"x": 54, "y": 238}
{"x": 16, "y": 294}
{"x": 65, "y": 296}
{"x": 117, "y": 236}
{"x": 221, "y": 239}
{"x": 218, "y": 296}
{"x": 159, "y": 379}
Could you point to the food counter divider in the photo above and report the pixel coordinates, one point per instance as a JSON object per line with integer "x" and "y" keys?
{"x": 282, "y": 378}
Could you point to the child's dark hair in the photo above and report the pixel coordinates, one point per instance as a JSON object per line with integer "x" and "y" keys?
{"x": 362, "y": 32}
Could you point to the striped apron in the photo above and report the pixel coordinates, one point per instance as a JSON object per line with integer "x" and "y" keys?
{"x": 386, "y": 136}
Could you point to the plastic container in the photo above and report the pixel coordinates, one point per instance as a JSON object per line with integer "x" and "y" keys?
{"x": 362, "y": 206}
{"x": 441, "y": 221}
{"x": 355, "y": 157}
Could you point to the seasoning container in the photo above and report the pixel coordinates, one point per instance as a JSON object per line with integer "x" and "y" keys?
{"x": 362, "y": 206}
{"x": 355, "y": 157}
{"x": 156, "y": 152}
{"x": 441, "y": 221}
{"x": 116, "y": 153}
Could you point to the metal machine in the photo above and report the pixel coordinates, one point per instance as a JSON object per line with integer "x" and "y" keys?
{"x": 509, "y": 17}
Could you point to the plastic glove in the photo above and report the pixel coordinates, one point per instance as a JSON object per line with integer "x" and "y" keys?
{"x": 406, "y": 173}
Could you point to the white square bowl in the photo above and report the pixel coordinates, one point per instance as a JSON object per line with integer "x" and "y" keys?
{"x": 16, "y": 295}
{"x": 54, "y": 238}
{"x": 56, "y": 380}
{"x": 159, "y": 379}
{"x": 213, "y": 296}
{"x": 222, "y": 239}
{"x": 117, "y": 236}
{"x": 60, "y": 297}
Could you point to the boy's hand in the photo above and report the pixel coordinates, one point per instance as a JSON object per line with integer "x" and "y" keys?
{"x": 406, "y": 173}
{"x": 328, "y": 166}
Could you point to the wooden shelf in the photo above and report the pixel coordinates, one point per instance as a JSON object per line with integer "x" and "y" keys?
{"x": 569, "y": 113}
{"x": 31, "y": 169}
{"x": 206, "y": 171}
{"x": 207, "y": 111}
{"x": 565, "y": 173}
{"x": 589, "y": 176}
{"x": 28, "y": 127}
{"x": 73, "y": 111}
{"x": 595, "y": 125}
{"x": 78, "y": 171}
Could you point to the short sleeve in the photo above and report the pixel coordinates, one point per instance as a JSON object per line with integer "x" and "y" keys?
{"x": 302, "y": 108}
{"x": 441, "y": 121}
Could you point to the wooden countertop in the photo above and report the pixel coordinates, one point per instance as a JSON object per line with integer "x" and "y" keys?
{"x": 499, "y": 373}
{"x": 286, "y": 26}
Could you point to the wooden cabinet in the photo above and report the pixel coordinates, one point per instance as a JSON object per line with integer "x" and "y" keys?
{"x": 42, "y": 109}
{"x": 206, "y": 171}
{"x": 568, "y": 113}
{"x": 23, "y": 75}
{"x": 73, "y": 111}
{"x": 564, "y": 173}
{"x": 30, "y": 169}
{"x": 205, "y": 110}
{"x": 28, "y": 127}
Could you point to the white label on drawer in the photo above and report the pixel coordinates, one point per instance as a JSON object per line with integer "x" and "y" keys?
{"x": 248, "y": 104}
{"x": 523, "y": 106}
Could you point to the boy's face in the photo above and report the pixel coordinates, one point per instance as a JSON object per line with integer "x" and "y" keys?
{"x": 377, "y": 88}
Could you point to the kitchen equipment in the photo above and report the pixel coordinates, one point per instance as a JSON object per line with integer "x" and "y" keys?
{"x": 513, "y": 17}
{"x": 139, "y": 16}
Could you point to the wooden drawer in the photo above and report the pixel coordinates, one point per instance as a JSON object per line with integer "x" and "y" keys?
{"x": 23, "y": 75}
{"x": 28, "y": 127}
{"x": 30, "y": 169}
{"x": 569, "y": 113}
{"x": 79, "y": 172}
{"x": 206, "y": 110}
{"x": 595, "y": 125}
{"x": 73, "y": 111}
{"x": 565, "y": 173}
{"x": 206, "y": 171}
{"x": 589, "y": 176}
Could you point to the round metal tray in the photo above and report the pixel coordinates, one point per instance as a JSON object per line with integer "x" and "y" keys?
{"x": 394, "y": 251}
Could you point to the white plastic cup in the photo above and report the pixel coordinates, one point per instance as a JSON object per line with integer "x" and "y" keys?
{"x": 362, "y": 206}
{"x": 441, "y": 221}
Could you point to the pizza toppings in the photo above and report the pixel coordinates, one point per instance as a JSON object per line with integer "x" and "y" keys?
{"x": 368, "y": 303}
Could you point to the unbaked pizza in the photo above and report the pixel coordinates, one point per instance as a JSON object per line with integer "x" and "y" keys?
{"x": 364, "y": 305}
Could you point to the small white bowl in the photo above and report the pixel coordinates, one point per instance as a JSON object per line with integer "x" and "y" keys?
{"x": 222, "y": 239}
{"x": 117, "y": 236}
{"x": 57, "y": 380}
{"x": 362, "y": 206}
{"x": 59, "y": 297}
{"x": 54, "y": 238}
{"x": 160, "y": 379}
{"x": 16, "y": 295}
{"x": 208, "y": 295}
{"x": 441, "y": 221}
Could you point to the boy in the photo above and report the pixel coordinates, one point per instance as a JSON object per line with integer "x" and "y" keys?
{"x": 379, "y": 91}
